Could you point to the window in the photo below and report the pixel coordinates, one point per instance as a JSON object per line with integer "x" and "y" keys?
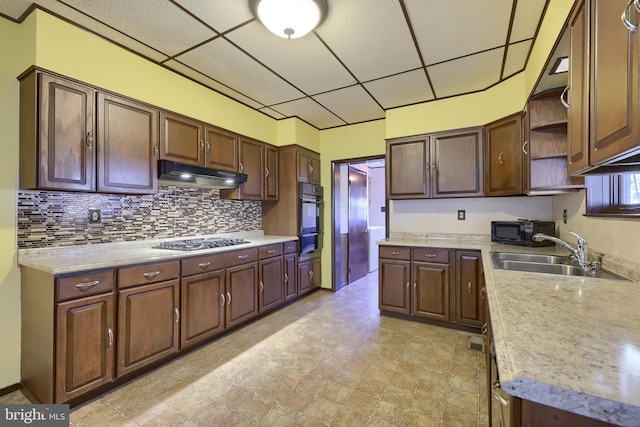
{"x": 613, "y": 195}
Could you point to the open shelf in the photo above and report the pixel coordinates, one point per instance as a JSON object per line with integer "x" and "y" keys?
{"x": 560, "y": 124}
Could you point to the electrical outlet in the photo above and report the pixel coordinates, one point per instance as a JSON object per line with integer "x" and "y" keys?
{"x": 95, "y": 216}
{"x": 462, "y": 215}
{"x": 564, "y": 216}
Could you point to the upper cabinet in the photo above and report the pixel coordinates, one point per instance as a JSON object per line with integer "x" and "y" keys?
{"x": 445, "y": 164}
{"x": 308, "y": 164}
{"x": 503, "y": 156}
{"x": 61, "y": 150}
{"x": 603, "y": 94}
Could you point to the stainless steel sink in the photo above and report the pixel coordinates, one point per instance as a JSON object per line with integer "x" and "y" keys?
{"x": 549, "y": 264}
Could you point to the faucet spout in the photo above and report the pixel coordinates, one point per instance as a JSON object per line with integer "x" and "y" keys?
{"x": 580, "y": 252}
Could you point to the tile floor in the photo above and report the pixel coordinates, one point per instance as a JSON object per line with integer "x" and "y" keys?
{"x": 329, "y": 359}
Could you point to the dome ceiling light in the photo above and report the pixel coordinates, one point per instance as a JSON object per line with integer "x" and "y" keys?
{"x": 289, "y": 19}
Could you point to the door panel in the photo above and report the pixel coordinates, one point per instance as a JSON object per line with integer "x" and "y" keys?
{"x": 431, "y": 291}
{"x": 202, "y": 307}
{"x": 469, "y": 307}
{"x": 181, "y": 139}
{"x": 394, "y": 288}
{"x": 358, "y": 233}
{"x": 271, "y": 284}
{"x": 290, "y": 276}
{"x": 252, "y": 163}
{"x": 459, "y": 168}
{"x": 221, "y": 149}
{"x": 242, "y": 293}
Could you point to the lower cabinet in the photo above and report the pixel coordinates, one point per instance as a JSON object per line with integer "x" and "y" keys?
{"x": 202, "y": 306}
{"x": 431, "y": 283}
{"x": 309, "y": 275}
{"x": 242, "y": 294}
{"x": 290, "y": 276}
{"x": 271, "y": 284}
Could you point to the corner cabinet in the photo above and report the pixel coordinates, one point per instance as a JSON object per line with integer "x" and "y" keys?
{"x": 503, "y": 156}
{"x": 444, "y": 164}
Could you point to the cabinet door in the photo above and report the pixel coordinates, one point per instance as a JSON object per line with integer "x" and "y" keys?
{"x": 408, "y": 168}
{"x": 148, "y": 324}
{"x": 304, "y": 277}
{"x": 316, "y": 273}
{"x": 84, "y": 346}
{"x": 252, "y": 164}
{"x": 469, "y": 282}
{"x": 458, "y": 163}
{"x": 614, "y": 82}
{"x": 202, "y": 307}
{"x": 393, "y": 286}
{"x": 66, "y": 152}
{"x": 128, "y": 146}
{"x": 314, "y": 169}
{"x": 578, "y": 95}
{"x": 221, "y": 149}
{"x": 271, "y": 173}
{"x": 302, "y": 165}
{"x": 290, "y": 276}
{"x": 430, "y": 291}
{"x": 181, "y": 139}
{"x": 526, "y": 159}
{"x": 271, "y": 283}
{"x": 503, "y": 160}
{"x": 242, "y": 293}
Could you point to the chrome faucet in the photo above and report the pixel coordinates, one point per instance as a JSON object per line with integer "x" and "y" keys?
{"x": 579, "y": 253}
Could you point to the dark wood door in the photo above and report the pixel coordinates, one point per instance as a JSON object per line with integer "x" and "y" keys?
{"x": 316, "y": 273}
{"x": 128, "y": 146}
{"x": 503, "y": 159}
{"x": 614, "y": 82}
{"x": 271, "y": 172}
{"x": 430, "y": 291}
{"x": 252, "y": 163}
{"x": 66, "y": 153}
{"x": 393, "y": 286}
{"x": 181, "y": 139}
{"x": 148, "y": 324}
{"x": 271, "y": 286}
{"x": 202, "y": 307}
{"x": 314, "y": 168}
{"x": 85, "y": 347}
{"x": 526, "y": 158}
{"x": 578, "y": 91}
{"x": 302, "y": 165}
{"x": 290, "y": 276}
{"x": 358, "y": 232}
{"x": 469, "y": 283}
{"x": 221, "y": 149}
{"x": 458, "y": 169}
{"x": 407, "y": 165}
{"x": 304, "y": 277}
{"x": 242, "y": 293}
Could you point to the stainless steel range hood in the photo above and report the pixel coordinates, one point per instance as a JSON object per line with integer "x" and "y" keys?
{"x": 173, "y": 173}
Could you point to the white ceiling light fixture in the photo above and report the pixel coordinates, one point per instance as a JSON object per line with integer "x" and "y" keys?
{"x": 290, "y": 19}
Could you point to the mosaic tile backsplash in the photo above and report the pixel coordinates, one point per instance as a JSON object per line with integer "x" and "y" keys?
{"x": 62, "y": 219}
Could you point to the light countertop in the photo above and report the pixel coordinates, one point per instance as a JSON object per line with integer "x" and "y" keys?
{"x": 567, "y": 342}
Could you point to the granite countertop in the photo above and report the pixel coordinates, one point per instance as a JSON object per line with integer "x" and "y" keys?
{"x": 60, "y": 260}
{"x": 567, "y": 342}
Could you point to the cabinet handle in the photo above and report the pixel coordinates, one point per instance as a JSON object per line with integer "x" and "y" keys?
{"x": 223, "y": 300}
{"x": 151, "y": 274}
{"x": 261, "y": 287}
{"x": 500, "y": 156}
{"x": 175, "y": 310}
{"x": 310, "y": 275}
{"x": 483, "y": 292}
{"x": 110, "y": 334}
{"x": 201, "y": 145}
{"x": 414, "y": 287}
{"x": 407, "y": 287}
{"x": 395, "y": 253}
{"x": 310, "y": 169}
{"x": 241, "y": 167}
{"x": 207, "y": 146}
{"x": 485, "y": 328}
{"x": 564, "y": 103}
{"x": 156, "y": 154}
{"x": 430, "y": 255}
{"x": 89, "y": 141}
{"x": 626, "y": 21}
{"x": 496, "y": 388}
{"x": 469, "y": 287}
{"x": 228, "y": 298}
{"x": 266, "y": 173}
{"x": 87, "y": 285}
{"x": 204, "y": 264}
{"x": 286, "y": 278}
{"x": 243, "y": 256}
{"x": 524, "y": 148}
{"x": 271, "y": 251}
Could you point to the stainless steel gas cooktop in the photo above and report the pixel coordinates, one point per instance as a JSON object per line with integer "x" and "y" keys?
{"x": 197, "y": 244}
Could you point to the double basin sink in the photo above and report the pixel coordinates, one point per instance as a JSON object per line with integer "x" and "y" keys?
{"x": 550, "y": 264}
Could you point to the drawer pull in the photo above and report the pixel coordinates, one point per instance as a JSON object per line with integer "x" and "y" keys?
{"x": 110, "y": 334}
{"x": 175, "y": 310}
{"x": 430, "y": 255}
{"x": 228, "y": 298}
{"x": 151, "y": 274}
{"x": 290, "y": 247}
{"x": 271, "y": 251}
{"x": 223, "y": 300}
{"x": 87, "y": 285}
{"x": 204, "y": 264}
{"x": 261, "y": 287}
{"x": 243, "y": 256}
{"x": 469, "y": 287}
{"x": 395, "y": 253}
{"x": 286, "y": 278}
{"x": 407, "y": 287}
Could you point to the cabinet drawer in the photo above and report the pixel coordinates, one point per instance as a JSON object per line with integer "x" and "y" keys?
{"x": 202, "y": 264}
{"x": 270, "y": 251}
{"x": 241, "y": 257}
{"x": 395, "y": 252}
{"x": 148, "y": 273}
{"x": 290, "y": 247}
{"x": 84, "y": 284}
{"x": 431, "y": 255}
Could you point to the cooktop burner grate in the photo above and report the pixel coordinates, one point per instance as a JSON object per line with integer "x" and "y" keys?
{"x": 197, "y": 244}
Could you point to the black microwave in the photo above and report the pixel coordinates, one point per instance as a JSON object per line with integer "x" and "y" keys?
{"x": 521, "y": 232}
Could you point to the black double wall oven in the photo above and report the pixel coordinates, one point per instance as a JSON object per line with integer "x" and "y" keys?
{"x": 310, "y": 217}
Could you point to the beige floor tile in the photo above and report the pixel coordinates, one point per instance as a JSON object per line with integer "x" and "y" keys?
{"x": 235, "y": 397}
{"x": 397, "y": 396}
{"x": 361, "y": 403}
{"x": 371, "y": 386}
{"x": 321, "y": 409}
{"x": 427, "y": 406}
{"x": 467, "y": 401}
{"x": 348, "y": 418}
{"x": 389, "y": 413}
{"x": 455, "y": 417}
{"x": 280, "y": 416}
{"x": 336, "y": 392}
{"x": 418, "y": 420}
{"x": 297, "y": 400}
{"x": 305, "y": 421}
{"x": 404, "y": 381}
{"x": 167, "y": 418}
{"x": 256, "y": 407}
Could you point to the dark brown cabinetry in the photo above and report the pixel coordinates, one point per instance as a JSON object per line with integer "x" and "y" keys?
{"x": 445, "y": 164}
{"x": 271, "y": 277}
{"x": 309, "y": 277}
{"x": 469, "y": 283}
{"x": 503, "y": 156}
{"x": 290, "y": 276}
{"x": 271, "y": 189}
{"x": 308, "y": 166}
{"x": 128, "y": 146}
{"x": 394, "y": 276}
{"x": 260, "y": 162}
{"x": 221, "y": 149}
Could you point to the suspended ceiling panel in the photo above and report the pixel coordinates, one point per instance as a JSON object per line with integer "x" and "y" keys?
{"x": 367, "y": 56}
